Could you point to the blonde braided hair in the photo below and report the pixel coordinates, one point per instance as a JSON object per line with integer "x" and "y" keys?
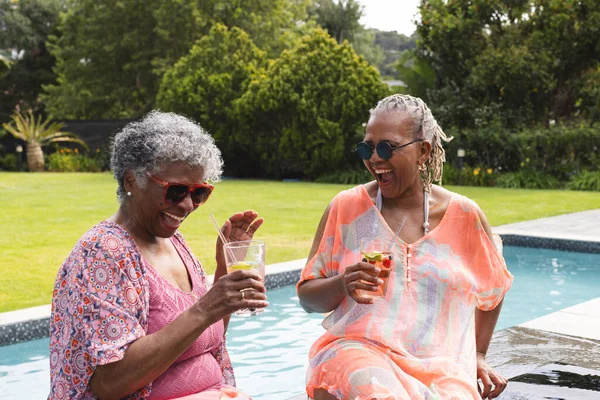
{"x": 426, "y": 127}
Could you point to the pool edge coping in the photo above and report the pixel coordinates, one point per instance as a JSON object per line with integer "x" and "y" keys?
{"x": 32, "y": 323}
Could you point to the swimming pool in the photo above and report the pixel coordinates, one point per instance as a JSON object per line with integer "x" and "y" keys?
{"x": 269, "y": 352}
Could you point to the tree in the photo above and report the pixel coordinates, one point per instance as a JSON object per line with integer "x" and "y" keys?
{"x": 272, "y": 25}
{"x": 393, "y": 45}
{"x": 338, "y": 17}
{"x": 104, "y": 54}
{"x": 25, "y": 63}
{"x": 416, "y": 74}
{"x": 112, "y": 54}
{"x": 517, "y": 61}
{"x": 589, "y": 90}
{"x": 38, "y": 134}
{"x": 306, "y": 113}
{"x": 363, "y": 44}
{"x": 205, "y": 84}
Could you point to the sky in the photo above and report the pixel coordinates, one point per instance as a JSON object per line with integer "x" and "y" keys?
{"x": 390, "y": 15}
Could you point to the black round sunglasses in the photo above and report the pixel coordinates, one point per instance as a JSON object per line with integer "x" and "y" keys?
{"x": 384, "y": 149}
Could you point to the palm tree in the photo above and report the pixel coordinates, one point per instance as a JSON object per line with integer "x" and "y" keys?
{"x": 37, "y": 134}
{"x": 416, "y": 73}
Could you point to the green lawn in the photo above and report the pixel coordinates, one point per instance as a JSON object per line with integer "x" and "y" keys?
{"x": 43, "y": 215}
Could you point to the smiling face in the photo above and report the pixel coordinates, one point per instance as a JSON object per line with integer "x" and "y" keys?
{"x": 400, "y": 173}
{"x": 151, "y": 214}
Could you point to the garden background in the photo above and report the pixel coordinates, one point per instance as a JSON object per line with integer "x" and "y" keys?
{"x": 284, "y": 87}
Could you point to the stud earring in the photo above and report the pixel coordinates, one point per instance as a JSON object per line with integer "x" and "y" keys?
{"x": 128, "y": 193}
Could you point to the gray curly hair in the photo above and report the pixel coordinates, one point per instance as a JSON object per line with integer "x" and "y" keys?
{"x": 159, "y": 138}
{"x": 425, "y": 127}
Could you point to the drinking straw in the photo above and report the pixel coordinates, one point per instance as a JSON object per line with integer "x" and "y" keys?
{"x": 216, "y": 224}
{"x": 395, "y": 234}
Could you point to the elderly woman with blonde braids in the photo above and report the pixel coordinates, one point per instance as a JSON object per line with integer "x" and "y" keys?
{"x": 427, "y": 337}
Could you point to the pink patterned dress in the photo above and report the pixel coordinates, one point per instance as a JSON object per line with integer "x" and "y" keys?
{"x": 106, "y": 297}
{"x": 419, "y": 342}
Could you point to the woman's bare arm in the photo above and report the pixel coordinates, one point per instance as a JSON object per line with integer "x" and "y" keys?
{"x": 492, "y": 383}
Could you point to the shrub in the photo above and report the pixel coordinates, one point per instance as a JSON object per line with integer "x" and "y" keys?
{"x": 67, "y": 160}
{"x": 346, "y": 177}
{"x": 305, "y": 114}
{"x": 527, "y": 179}
{"x": 451, "y": 175}
{"x": 585, "y": 180}
{"x": 205, "y": 83}
{"x": 8, "y": 162}
{"x": 559, "y": 150}
{"x": 468, "y": 176}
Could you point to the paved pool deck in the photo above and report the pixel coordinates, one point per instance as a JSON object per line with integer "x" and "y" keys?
{"x": 583, "y": 226}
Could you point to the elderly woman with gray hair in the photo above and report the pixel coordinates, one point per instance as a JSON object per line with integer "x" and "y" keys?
{"x": 133, "y": 314}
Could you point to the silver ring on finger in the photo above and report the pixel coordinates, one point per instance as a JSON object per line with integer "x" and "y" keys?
{"x": 243, "y": 294}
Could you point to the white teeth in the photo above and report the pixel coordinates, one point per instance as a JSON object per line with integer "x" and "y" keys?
{"x": 382, "y": 171}
{"x": 180, "y": 219}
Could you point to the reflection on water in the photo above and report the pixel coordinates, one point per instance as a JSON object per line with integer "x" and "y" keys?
{"x": 24, "y": 370}
{"x": 270, "y": 352}
{"x": 547, "y": 281}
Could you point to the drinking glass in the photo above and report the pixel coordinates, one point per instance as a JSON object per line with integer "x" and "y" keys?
{"x": 377, "y": 252}
{"x": 246, "y": 255}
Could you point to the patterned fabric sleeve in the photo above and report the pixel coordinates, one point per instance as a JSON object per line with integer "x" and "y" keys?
{"x": 99, "y": 307}
{"x": 323, "y": 264}
{"x": 492, "y": 276}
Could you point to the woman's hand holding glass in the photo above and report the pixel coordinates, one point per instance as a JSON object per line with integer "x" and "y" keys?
{"x": 361, "y": 276}
{"x": 239, "y": 227}
{"x": 230, "y": 294}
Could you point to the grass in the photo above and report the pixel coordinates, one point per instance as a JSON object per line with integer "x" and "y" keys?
{"x": 43, "y": 215}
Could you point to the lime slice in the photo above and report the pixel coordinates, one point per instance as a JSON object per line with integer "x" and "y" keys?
{"x": 373, "y": 256}
{"x": 241, "y": 265}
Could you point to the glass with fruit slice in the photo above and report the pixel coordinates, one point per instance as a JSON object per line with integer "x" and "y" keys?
{"x": 375, "y": 252}
{"x": 246, "y": 255}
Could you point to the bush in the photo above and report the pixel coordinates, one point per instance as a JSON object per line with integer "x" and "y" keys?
{"x": 206, "y": 82}
{"x": 355, "y": 177}
{"x": 527, "y": 179}
{"x": 305, "y": 114}
{"x": 67, "y": 160}
{"x": 560, "y": 151}
{"x": 468, "y": 176}
{"x": 586, "y": 180}
{"x": 8, "y": 162}
{"x": 450, "y": 175}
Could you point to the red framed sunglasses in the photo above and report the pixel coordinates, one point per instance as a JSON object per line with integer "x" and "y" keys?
{"x": 175, "y": 193}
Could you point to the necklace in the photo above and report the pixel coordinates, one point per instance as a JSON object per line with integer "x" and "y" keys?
{"x": 379, "y": 204}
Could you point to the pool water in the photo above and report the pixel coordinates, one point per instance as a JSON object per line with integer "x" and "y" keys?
{"x": 269, "y": 352}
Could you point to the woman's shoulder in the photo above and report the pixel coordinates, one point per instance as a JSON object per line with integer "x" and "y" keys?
{"x": 445, "y": 196}
{"x": 108, "y": 230}
{"x": 466, "y": 207}
{"x": 367, "y": 191}
{"x": 106, "y": 237}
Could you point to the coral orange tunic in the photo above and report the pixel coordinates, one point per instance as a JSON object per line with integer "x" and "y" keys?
{"x": 419, "y": 342}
